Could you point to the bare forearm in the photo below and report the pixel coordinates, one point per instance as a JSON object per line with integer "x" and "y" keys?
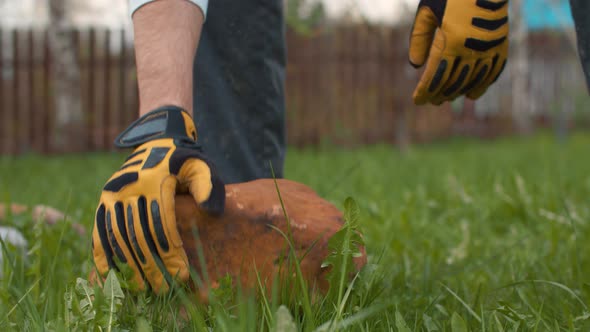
{"x": 166, "y": 39}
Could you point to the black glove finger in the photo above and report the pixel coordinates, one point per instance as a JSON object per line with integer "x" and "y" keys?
{"x": 496, "y": 68}
{"x": 144, "y": 242}
{"x": 459, "y": 78}
{"x": 101, "y": 248}
{"x": 215, "y": 205}
{"x": 477, "y": 79}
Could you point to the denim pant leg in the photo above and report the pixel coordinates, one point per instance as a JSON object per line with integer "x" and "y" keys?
{"x": 581, "y": 14}
{"x": 239, "y": 88}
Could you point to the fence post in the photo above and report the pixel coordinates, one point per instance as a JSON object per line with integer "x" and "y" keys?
{"x": 122, "y": 109}
{"x": 107, "y": 123}
{"x": 17, "y": 116}
{"x": 291, "y": 90}
{"x": 353, "y": 82}
{"x": 133, "y": 107}
{"x": 33, "y": 109}
{"x": 75, "y": 37}
{"x": 383, "y": 83}
{"x": 47, "y": 100}
{"x": 91, "y": 123}
{"x": 402, "y": 123}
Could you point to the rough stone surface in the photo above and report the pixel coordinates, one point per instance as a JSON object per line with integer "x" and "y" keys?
{"x": 244, "y": 241}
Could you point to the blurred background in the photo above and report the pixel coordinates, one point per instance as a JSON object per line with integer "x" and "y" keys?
{"x": 67, "y": 77}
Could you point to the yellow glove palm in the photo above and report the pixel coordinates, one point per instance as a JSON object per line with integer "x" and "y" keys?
{"x": 465, "y": 55}
{"x": 135, "y": 220}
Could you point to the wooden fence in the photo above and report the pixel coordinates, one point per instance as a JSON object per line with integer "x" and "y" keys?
{"x": 27, "y": 107}
{"x": 344, "y": 85}
{"x": 354, "y": 85}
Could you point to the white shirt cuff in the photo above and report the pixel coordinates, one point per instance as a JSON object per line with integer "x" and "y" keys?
{"x": 136, "y": 4}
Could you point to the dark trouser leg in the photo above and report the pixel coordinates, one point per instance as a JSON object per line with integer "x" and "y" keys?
{"x": 581, "y": 13}
{"x": 239, "y": 88}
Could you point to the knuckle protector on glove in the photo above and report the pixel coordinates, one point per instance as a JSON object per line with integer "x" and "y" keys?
{"x": 118, "y": 183}
{"x": 164, "y": 122}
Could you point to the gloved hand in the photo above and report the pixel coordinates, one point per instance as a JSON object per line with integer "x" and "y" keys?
{"x": 465, "y": 55}
{"x": 135, "y": 220}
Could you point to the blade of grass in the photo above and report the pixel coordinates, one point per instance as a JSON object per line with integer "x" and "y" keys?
{"x": 473, "y": 313}
{"x": 552, "y": 283}
{"x": 19, "y": 301}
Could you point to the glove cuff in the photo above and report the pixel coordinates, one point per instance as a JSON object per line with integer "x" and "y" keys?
{"x": 163, "y": 122}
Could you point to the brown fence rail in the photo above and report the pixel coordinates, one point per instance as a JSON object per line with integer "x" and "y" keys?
{"x": 344, "y": 85}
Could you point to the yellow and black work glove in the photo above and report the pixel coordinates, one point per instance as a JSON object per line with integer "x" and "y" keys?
{"x": 135, "y": 220}
{"x": 464, "y": 45}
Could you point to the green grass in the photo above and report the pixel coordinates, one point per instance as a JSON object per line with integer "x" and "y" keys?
{"x": 461, "y": 235}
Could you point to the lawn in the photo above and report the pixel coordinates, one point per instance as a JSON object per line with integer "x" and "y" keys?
{"x": 461, "y": 235}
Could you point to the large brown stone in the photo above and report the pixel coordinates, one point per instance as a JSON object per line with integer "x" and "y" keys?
{"x": 243, "y": 240}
